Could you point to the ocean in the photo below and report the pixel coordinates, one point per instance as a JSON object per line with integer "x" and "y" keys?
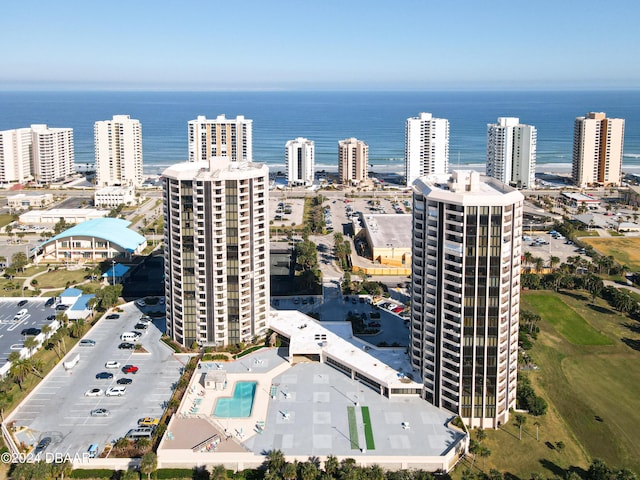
{"x": 378, "y": 118}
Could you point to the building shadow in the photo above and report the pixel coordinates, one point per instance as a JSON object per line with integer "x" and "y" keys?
{"x": 633, "y": 343}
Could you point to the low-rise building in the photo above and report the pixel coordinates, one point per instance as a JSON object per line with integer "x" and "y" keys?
{"x": 69, "y": 215}
{"x": 93, "y": 241}
{"x": 112, "y": 197}
{"x": 24, "y": 201}
{"x": 388, "y": 237}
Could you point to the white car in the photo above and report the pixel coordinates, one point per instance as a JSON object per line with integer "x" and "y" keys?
{"x": 112, "y": 364}
{"x": 116, "y": 391}
{"x": 94, "y": 392}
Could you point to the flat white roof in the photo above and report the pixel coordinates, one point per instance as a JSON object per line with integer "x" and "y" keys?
{"x": 389, "y": 229}
{"x": 389, "y": 367}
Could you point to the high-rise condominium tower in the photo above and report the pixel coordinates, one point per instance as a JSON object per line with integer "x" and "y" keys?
{"x": 426, "y": 147}
{"x": 52, "y": 158}
{"x": 216, "y": 238}
{"x": 353, "y": 161}
{"x": 37, "y": 153}
{"x": 300, "y": 156}
{"x": 220, "y": 137}
{"x": 511, "y": 152}
{"x": 15, "y": 156}
{"x": 118, "y": 147}
{"x": 467, "y": 235}
{"x": 597, "y": 150}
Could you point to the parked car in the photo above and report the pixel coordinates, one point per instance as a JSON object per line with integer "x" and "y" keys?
{"x": 126, "y": 346}
{"x": 42, "y": 445}
{"x": 148, "y": 422}
{"x": 116, "y": 391}
{"x": 85, "y": 342}
{"x": 94, "y": 392}
{"x": 50, "y": 301}
{"x": 142, "y": 326}
{"x": 100, "y": 412}
{"x": 130, "y": 369}
{"x": 112, "y": 364}
{"x": 22, "y": 303}
{"x": 104, "y": 376}
{"x": 124, "y": 381}
{"x": 61, "y": 307}
{"x": 113, "y": 316}
{"x": 31, "y": 331}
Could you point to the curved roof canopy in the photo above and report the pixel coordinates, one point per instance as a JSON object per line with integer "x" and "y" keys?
{"x": 114, "y": 230}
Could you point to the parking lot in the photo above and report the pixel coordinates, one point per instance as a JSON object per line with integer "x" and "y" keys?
{"x": 58, "y": 407}
{"x": 11, "y": 338}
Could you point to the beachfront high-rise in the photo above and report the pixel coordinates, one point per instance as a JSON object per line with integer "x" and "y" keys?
{"x": 118, "y": 150}
{"x": 220, "y": 137}
{"x": 353, "y": 161}
{"x": 426, "y": 146}
{"x": 511, "y": 152}
{"x": 37, "y": 153}
{"x": 597, "y": 150}
{"x": 466, "y": 247}
{"x": 300, "y": 156}
{"x": 15, "y": 156}
{"x": 216, "y": 237}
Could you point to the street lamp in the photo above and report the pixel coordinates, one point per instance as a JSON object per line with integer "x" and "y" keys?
{"x": 113, "y": 272}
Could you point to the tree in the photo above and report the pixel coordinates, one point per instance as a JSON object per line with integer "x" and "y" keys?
{"x": 77, "y": 328}
{"x": 19, "y": 261}
{"x": 598, "y": 470}
{"x": 331, "y": 465}
{"x": 149, "y": 464}
{"x": 537, "y": 425}
{"x": 108, "y": 296}
{"x": 560, "y": 446}
{"x": 554, "y": 262}
{"x": 484, "y": 453}
{"x": 308, "y": 470}
{"x": 481, "y": 434}
{"x": 30, "y": 343}
{"x": 275, "y": 460}
{"x": 20, "y": 370}
{"x": 219, "y": 473}
{"x": 289, "y": 471}
{"x": 538, "y": 262}
{"x": 519, "y": 421}
{"x": 527, "y": 258}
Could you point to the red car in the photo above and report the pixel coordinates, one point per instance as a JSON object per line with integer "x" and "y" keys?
{"x": 130, "y": 369}
{"x": 398, "y": 309}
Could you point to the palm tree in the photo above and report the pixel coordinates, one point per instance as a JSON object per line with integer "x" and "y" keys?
{"x": 375, "y": 472}
{"x": 537, "y": 425}
{"x": 539, "y": 264}
{"x": 219, "y": 473}
{"x": 20, "y": 370}
{"x": 275, "y": 460}
{"x": 481, "y": 434}
{"x": 484, "y": 452}
{"x": 520, "y": 420}
{"x": 289, "y": 471}
{"x": 331, "y": 465}
{"x": 308, "y": 471}
{"x": 30, "y": 343}
{"x": 149, "y": 464}
{"x": 527, "y": 258}
{"x": 554, "y": 262}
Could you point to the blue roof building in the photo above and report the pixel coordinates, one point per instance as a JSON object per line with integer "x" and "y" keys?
{"x": 93, "y": 241}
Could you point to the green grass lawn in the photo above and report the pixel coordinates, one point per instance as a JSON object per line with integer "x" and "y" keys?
{"x": 591, "y": 385}
{"x": 568, "y": 322}
{"x": 59, "y": 278}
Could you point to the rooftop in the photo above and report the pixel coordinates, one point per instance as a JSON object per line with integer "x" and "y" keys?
{"x": 388, "y": 229}
{"x": 114, "y": 230}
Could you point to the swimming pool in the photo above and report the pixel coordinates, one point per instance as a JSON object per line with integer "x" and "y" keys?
{"x": 240, "y": 404}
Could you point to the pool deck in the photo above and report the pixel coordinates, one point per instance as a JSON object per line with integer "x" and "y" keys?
{"x": 307, "y": 409}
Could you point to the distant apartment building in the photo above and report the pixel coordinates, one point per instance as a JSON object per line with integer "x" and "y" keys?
{"x": 37, "y": 153}
{"x": 300, "y": 159}
{"x": 467, "y": 243}
{"x": 15, "y": 156}
{"x": 112, "y": 197}
{"x": 353, "y": 161}
{"x": 511, "y": 152}
{"x": 220, "y": 137}
{"x": 216, "y": 234}
{"x": 118, "y": 151}
{"x": 426, "y": 148}
{"x": 597, "y": 150}
{"x": 53, "y": 154}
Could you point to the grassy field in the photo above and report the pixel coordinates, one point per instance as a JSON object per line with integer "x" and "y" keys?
{"x": 592, "y": 386}
{"x": 58, "y": 278}
{"x": 567, "y": 321}
{"x": 590, "y": 376}
{"x": 625, "y": 250}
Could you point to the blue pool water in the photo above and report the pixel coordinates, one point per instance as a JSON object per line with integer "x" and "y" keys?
{"x": 239, "y": 405}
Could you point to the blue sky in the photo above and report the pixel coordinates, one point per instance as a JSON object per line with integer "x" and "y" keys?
{"x": 322, "y": 44}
